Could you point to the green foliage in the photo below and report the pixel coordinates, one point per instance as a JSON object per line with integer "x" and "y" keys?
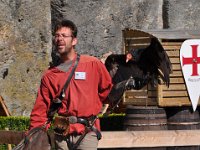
{"x": 14, "y": 123}
{"x": 112, "y": 122}
{"x": 3, "y": 147}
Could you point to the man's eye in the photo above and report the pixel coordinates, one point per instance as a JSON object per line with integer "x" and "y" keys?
{"x": 62, "y": 36}
{"x": 65, "y": 36}
{"x": 57, "y": 36}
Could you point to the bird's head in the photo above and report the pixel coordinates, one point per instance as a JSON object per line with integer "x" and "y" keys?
{"x": 134, "y": 54}
{"x": 129, "y": 57}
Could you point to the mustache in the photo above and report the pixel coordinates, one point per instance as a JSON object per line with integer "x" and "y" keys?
{"x": 58, "y": 44}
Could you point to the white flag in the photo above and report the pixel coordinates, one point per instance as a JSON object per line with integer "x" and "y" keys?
{"x": 190, "y": 63}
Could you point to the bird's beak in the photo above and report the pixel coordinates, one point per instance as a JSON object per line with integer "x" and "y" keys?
{"x": 128, "y": 57}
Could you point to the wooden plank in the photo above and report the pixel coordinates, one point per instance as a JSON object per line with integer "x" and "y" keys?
{"x": 175, "y": 33}
{"x": 176, "y": 73}
{"x": 176, "y": 67}
{"x": 10, "y": 137}
{"x": 175, "y": 60}
{"x": 135, "y": 33}
{"x": 174, "y": 101}
{"x": 160, "y": 94}
{"x": 168, "y": 50}
{"x": 173, "y": 80}
{"x": 177, "y": 80}
{"x": 133, "y": 93}
{"x": 4, "y": 111}
{"x": 137, "y": 40}
{"x": 173, "y": 53}
{"x": 172, "y": 43}
{"x": 167, "y": 93}
{"x": 175, "y": 87}
{"x": 131, "y": 139}
{"x": 172, "y": 47}
{"x": 141, "y": 90}
{"x": 140, "y": 101}
{"x": 137, "y": 45}
{"x": 174, "y": 94}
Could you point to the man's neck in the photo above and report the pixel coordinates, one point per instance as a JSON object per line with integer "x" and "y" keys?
{"x": 68, "y": 56}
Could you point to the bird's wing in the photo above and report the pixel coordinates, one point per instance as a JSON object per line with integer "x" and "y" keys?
{"x": 154, "y": 59}
{"x": 151, "y": 61}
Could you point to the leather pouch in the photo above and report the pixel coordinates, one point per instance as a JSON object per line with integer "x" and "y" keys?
{"x": 61, "y": 125}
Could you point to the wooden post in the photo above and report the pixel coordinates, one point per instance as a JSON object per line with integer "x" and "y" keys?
{"x": 9, "y": 145}
{"x": 159, "y": 92}
{"x": 4, "y": 111}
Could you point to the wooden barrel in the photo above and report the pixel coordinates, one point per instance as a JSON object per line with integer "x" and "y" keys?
{"x": 182, "y": 118}
{"x": 141, "y": 118}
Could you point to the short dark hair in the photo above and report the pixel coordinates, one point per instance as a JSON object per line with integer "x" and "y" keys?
{"x": 68, "y": 24}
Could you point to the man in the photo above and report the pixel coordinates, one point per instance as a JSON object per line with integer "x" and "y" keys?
{"x": 88, "y": 88}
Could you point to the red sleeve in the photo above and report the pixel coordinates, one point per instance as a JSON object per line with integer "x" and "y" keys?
{"x": 38, "y": 115}
{"x": 105, "y": 81}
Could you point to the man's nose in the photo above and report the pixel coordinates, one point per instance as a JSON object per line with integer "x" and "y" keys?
{"x": 59, "y": 38}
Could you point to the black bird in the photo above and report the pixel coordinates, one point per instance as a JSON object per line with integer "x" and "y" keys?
{"x": 143, "y": 65}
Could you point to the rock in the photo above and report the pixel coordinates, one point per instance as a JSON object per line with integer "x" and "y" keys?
{"x": 26, "y": 40}
{"x": 181, "y": 14}
{"x": 100, "y": 23}
{"x": 25, "y": 46}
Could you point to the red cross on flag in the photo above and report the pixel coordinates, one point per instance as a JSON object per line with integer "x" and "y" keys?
{"x": 190, "y": 63}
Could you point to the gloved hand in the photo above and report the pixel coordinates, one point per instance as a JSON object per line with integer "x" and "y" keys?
{"x": 130, "y": 84}
{"x": 118, "y": 89}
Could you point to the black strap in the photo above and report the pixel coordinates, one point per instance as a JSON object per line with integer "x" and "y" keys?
{"x": 56, "y": 103}
{"x": 62, "y": 94}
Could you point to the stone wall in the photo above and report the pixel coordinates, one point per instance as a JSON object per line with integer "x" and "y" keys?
{"x": 25, "y": 35}
{"x": 182, "y": 14}
{"x": 25, "y": 45}
{"x": 100, "y": 22}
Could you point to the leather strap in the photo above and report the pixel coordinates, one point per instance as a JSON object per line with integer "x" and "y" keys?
{"x": 56, "y": 103}
{"x": 62, "y": 94}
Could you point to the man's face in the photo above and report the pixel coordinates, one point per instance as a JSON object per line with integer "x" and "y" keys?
{"x": 64, "y": 41}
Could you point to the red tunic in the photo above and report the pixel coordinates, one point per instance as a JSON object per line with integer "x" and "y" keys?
{"x": 83, "y": 97}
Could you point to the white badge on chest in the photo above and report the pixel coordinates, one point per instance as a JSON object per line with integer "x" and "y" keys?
{"x": 80, "y": 75}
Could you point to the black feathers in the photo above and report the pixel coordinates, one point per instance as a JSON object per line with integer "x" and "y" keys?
{"x": 146, "y": 64}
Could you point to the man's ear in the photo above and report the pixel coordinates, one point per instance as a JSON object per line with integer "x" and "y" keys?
{"x": 74, "y": 41}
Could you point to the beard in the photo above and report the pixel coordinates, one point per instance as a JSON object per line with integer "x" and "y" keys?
{"x": 63, "y": 51}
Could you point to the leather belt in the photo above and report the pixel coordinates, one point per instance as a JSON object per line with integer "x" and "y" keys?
{"x": 87, "y": 122}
